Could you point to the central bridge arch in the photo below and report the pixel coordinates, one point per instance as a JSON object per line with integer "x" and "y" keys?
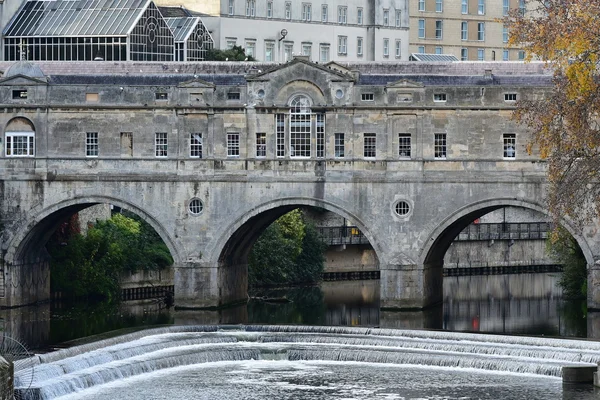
{"x": 235, "y": 243}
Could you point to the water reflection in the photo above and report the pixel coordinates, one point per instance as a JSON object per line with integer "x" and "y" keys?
{"x": 512, "y": 304}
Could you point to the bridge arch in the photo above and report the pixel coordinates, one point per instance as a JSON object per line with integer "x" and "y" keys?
{"x": 39, "y": 227}
{"x": 439, "y": 240}
{"x": 233, "y": 246}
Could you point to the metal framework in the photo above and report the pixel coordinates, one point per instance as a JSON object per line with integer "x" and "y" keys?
{"x": 80, "y": 30}
{"x": 192, "y": 39}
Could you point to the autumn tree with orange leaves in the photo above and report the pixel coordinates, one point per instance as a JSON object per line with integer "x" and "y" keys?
{"x": 564, "y": 125}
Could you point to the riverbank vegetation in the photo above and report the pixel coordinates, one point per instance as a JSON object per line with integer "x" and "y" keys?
{"x": 563, "y": 248}
{"x": 91, "y": 265}
{"x": 289, "y": 251}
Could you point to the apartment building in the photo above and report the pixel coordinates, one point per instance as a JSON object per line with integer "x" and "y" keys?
{"x": 324, "y": 30}
{"x": 471, "y": 30}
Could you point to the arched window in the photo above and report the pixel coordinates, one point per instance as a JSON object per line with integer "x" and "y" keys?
{"x": 300, "y": 126}
{"x": 19, "y": 138}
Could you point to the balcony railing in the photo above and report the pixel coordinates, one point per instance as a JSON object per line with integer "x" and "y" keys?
{"x": 339, "y": 235}
{"x": 505, "y": 231}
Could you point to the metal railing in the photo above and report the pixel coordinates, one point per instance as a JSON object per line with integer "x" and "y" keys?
{"x": 339, "y": 235}
{"x": 505, "y": 231}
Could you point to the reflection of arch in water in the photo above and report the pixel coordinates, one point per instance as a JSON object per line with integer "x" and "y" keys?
{"x": 234, "y": 245}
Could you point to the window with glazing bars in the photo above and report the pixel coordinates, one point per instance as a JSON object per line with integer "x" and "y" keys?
{"x": 160, "y": 144}
{"x": 261, "y": 144}
{"x": 196, "y": 145}
{"x": 300, "y": 121}
{"x": 404, "y": 145}
{"x": 510, "y": 145}
{"x": 370, "y": 145}
{"x": 280, "y": 134}
{"x": 233, "y": 144}
{"x": 320, "y": 135}
{"x": 439, "y": 146}
{"x": 91, "y": 144}
{"x": 20, "y": 144}
{"x": 339, "y": 145}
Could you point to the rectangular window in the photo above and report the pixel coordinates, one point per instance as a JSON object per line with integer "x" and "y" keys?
{"x": 288, "y": 10}
{"x": 509, "y": 145}
{"x": 324, "y": 13}
{"x": 359, "y": 46}
{"x": 126, "y": 144}
{"x": 464, "y": 54}
{"x": 306, "y": 11}
{"x": 439, "y": 6}
{"x": 480, "y": 55}
{"x": 439, "y": 97}
{"x": 21, "y": 94}
{"x": 422, "y": 30}
{"x": 231, "y": 9}
{"x": 421, "y": 49}
{"x": 233, "y": 144}
{"x": 404, "y": 145}
{"x": 505, "y": 56}
{"x": 510, "y": 97}
{"x": 386, "y": 17}
{"x": 288, "y": 50}
{"x": 359, "y": 16}
{"x": 481, "y": 31}
{"x": 306, "y": 49}
{"x": 233, "y": 96}
{"x": 342, "y": 15}
{"x": 521, "y": 55}
{"x": 261, "y": 144}
{"x": 504, "y": 34}
{"x": 280, "y": 134}
{"x": 464, "y": 30}
{"x": 342, "y": 45}
{"x": 160, "y": 144}
{"x": 195, "y": 145}
{"x": 20, "y": 144}
{"x": 439, "y": 146}
{"x": 505, "y": 7}
{"x": 398, "y": 48}
{"x": 251, "y": 49}
{"x": 438, "y": 29}
{"x": 339, "y": 145}
{"x": 438, "y": 50}
{"x": 320, "y": 135}
{"x": 250, "y": 8}
{"x": 161, "y": 96}
{"x": 522, "y": 7}
{"x": 421, "y": 5}
{"x": 91, "y": 144}
{"x": 370, "y": 145}
{"x": 481, "y": 7}
{"x": 324, "y": 52}
{"x": 367, "y": 97}
{"x": 300, "y": 134}
{"x": 269, "y": 51}
{"x": 89, "y": 97}
{"x": 464, "y": 6}
{"x": 269, "y": 9}
{"x": 398, "y": 18}
{"x": 386, "y": 47}
{"x": 230, "y": 43}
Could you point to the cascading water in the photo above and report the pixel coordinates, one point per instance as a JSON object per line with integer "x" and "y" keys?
{"x": 83, "y": 368}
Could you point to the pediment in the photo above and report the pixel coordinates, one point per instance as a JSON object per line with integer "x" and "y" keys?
{"x": 196, "y": 84}
{"x": 405, "y": 84}
{"x": 338, "y": 67}
{"x": 22, "y": 80}
{"x": 299, "y": 67}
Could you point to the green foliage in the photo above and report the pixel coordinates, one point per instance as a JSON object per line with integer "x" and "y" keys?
{"x": 565, "y": 250}
{"x": 91, "y": 265}
{"x": 236, "y": 53}
{"x": 289, "y": 251}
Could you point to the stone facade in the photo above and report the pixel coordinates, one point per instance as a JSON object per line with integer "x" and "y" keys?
{"x": 211, "y": 154}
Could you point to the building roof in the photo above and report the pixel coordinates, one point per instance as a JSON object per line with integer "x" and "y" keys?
{"x": 432, "y": 57}
{"x": 25, "y": 68}
{"x": 147, "y": 80}
{"x": 174, "y": 12}
{"x": 182, "y": 27}
{"x": 42, "y": 18}
{"x": 458, "y": 80}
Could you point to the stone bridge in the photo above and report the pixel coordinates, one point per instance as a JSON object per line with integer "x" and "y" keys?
{"x": 211, "y": 154}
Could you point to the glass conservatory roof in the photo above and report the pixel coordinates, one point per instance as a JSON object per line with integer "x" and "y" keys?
{"x": 43, "y": 18}
{"x": 182, "y": 27}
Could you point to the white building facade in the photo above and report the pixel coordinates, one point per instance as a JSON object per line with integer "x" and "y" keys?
{"x": 324, "y": 30}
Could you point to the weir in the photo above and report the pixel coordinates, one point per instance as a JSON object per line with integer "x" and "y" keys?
{"x": 162, "y": 349}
